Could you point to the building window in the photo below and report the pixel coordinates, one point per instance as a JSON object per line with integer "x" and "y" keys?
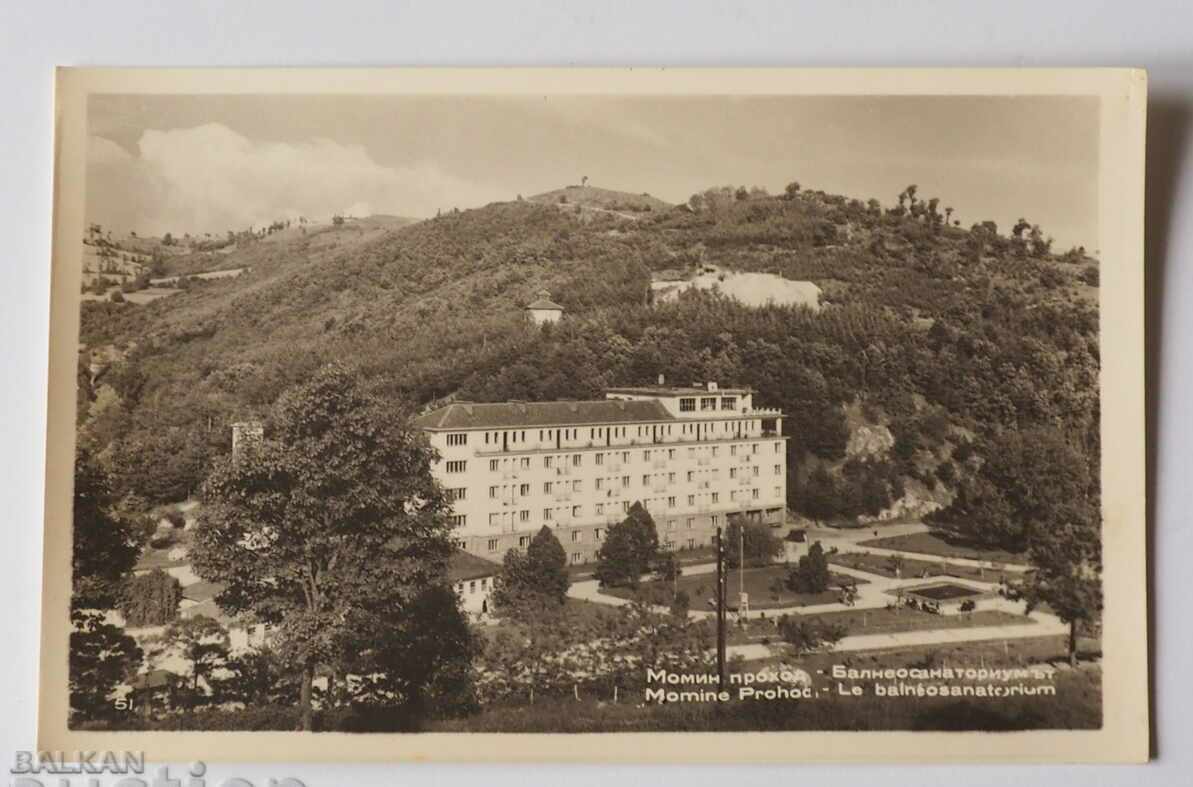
{"x": 524, "y": 490}
{"x": 457, "y": 520}
{"x": 691, "y": 500}
{"x": 687, "y": 405}
{"x": 576, "y": 511}
{"x": 671, "y": 478}
{"x": 670, "y": 524}
{"x": 493, "y": 544}
{"x": 577, "y": 536}
{"x": 600, "y": 484}
{"x": 472, "y": 586}
{"x": 577, "y": 459}
{"x": 600, "y": 459}
{"x": 494, "y": 466}
{"x": 524, "y": 515}
{"x": 670, "y": 451}
{"x": 596, "y": 534}
{"x": 494, "y": 520}
{"x": 754, "y": 471}
{"x": 708, "y": 403}
{"x": 492, "y": 493}
{"x": 577, "y": 485}
{"x": 547, "y": 462}
{"x": 625, "y": 506}
{"x": 716, "y": 497}
{"x": 547, "y": 486}
{"x": 733, "y": 472}
{"x": 456, "y": 466}
{"x": 691, "y": 522}
{"x": 625, "y": 482}
{"x": 460, "y": 438}
{"x": 548, "y": 514}
{"x": 778, "y": 470}
{"x": 691, "y": 543}
{"x": 577, "y": 558}
{"x": 600, "y": 508}
{"x": 646, "y": 480}
{"x": 716, "y": 520}
{"x": 728, "y": 402}
{"x": 691, "y": 475}
{"x": 754, "y": 494}
{"x": 778, "y": 447}
{"x": 456, "y": 494}
{"x": 671, "y": 503}
{"x": 523, "y": 541}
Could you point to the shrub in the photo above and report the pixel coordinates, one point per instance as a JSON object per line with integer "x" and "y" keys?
{"x": 150, "y": 599}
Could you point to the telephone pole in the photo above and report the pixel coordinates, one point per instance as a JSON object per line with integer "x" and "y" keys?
{"x": 720, "y": 610}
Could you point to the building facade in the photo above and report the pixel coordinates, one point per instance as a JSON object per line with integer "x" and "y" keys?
{"x": 693, "y": 456}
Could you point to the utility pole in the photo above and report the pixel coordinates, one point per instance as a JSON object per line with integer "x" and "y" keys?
{"x": 741, "y": 564}
{"x": 720, "y": 610}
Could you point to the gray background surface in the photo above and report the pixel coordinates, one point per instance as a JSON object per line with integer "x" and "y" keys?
{"x": 34, "y": 37}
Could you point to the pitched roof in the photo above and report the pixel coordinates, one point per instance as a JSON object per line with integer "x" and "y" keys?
{"x": 676, "y": 390}
{"x": 463, "y": 566}
{"x": 202, "y": 591}
{"x": 462, "y": 415}
{"x": 542, "y": 304}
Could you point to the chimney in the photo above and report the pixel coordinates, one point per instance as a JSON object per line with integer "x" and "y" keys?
{"x": 245, "y": 434}
{"x": 712, "y": 387}
{"x": 662, "y": 380}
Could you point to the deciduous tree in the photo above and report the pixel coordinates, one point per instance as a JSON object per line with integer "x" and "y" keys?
{"x": 329, "y": 528}
{"x": 629, "y": 549}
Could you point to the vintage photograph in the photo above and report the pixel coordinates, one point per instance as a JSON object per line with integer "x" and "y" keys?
{"x": 588, "y": 413}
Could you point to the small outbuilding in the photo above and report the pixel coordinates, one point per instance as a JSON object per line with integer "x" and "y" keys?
{"x": 543, "y": 309}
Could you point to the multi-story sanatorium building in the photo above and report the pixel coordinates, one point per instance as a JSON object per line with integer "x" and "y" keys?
{"x": 691, "y": 455}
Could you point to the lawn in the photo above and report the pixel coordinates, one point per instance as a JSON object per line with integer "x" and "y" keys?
{"x": 685, "y": 557}
{"x": 910, "y": 567}
{"x": 944, "y": 544}
{"x": 757, "y": 583}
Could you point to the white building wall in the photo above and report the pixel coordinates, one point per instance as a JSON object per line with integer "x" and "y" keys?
{"x": 690, "y": 474}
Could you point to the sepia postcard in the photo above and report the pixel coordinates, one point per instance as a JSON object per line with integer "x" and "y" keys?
{"x": 597, "y": 415}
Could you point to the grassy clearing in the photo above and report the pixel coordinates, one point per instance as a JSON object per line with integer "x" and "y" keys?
{"x": 938, "y": 542}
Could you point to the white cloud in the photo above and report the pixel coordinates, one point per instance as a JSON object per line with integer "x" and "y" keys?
{"x": 210, "y": 179}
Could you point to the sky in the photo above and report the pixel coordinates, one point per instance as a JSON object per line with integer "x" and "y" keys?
{"x": 207, "y": 163}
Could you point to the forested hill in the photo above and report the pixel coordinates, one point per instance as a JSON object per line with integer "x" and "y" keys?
{"x": 939, "y": 334}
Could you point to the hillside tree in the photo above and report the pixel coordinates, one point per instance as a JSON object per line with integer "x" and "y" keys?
{"x": 104, "y": 549}
{"x": 329, "y": 528}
